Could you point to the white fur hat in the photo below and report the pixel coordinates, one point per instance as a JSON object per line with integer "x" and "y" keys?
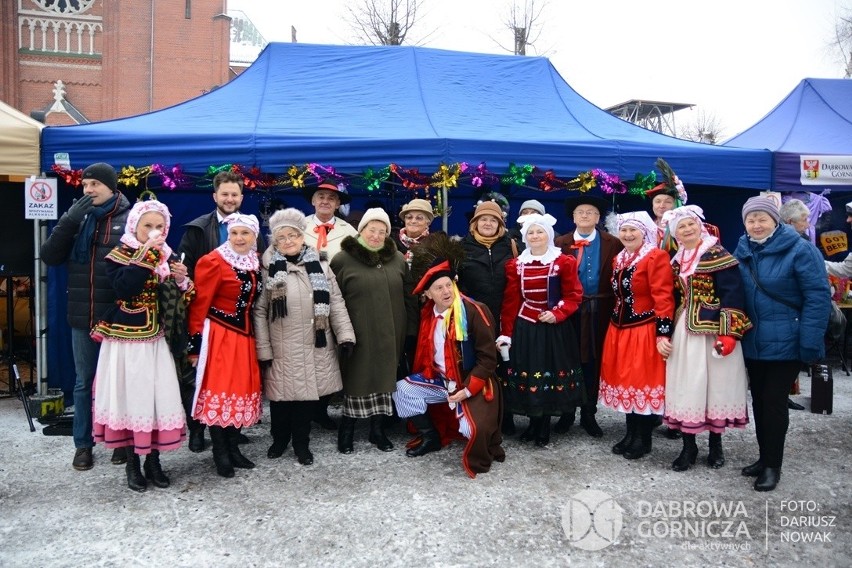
{"x": 290, "y": 217}
{"x": 375, "y": 214}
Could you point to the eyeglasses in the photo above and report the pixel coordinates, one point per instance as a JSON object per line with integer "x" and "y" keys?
{"x": 415, "y": 217}
{"x": 585, "y": 213}
{"x": 292, "y": 237}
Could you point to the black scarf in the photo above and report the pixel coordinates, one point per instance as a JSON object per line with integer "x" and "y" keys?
{"x": 83, "y": 243}
{"x": 277, "y": 286}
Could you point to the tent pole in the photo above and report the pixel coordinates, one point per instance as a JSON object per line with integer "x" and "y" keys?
{"x": 444, "y": 215}
{"x": 40, "y": 309}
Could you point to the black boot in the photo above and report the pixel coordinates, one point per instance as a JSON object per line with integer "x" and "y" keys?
{"x": 232, "y": 434}
{"x": 507, "y": 426}
{"x": 768, "y": 479}
{"x": 302, "y": 436}
{"x": 588, "y": 422}
{"x": 687, "y": 456}
{"x": 565, "y": 421}
{"x": 716, "y": 457}
{"x": 321, "y": 416}
{"x": 346, "y": 435}
{"x": 196, "y": 435}
{"x": 377, "y": 433}
{"x": 221, "y": 455}
{"x": 280, "y": 428}
{"x": 542, "y": 436}
{"x": 641, "y": 444}
{"x": 672, "y": 433}
{"x": 528, "y": 435}
{"x": 154, "y": 471}
{"x": 135, "y": 479}
{"x": 119, "y": 456}
{"x": 430, "y": 441}
{"x": 622, "y": 444}
{"x": 754, "y": 469}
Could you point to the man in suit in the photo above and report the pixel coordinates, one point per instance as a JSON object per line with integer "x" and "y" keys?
{"x": 595, "y": 251}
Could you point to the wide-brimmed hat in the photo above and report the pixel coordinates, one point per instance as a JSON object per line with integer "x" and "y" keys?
{"x": 488, "y": 208}
{"x": 338, "y": 188}
{"x": 421, "y": 205}
{"x": 599, "y": 203}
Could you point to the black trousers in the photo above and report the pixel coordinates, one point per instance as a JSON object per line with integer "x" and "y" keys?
{"x": 770, "y": 383}
{"x": 291, "y": 419}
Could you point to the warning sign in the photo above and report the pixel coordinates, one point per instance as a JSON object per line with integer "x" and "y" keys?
{"x": 40, "y": 200}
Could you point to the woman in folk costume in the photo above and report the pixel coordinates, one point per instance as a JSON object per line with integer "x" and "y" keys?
{"x": 137, "y": 397}
{"x": 706, "y": 381}
{"x": 227, "y": 392}
{"x": 633, "y": 375}
{"x": 542, "y": 290}
{"x": 455, "y": 362}
{"x": 297, "y": 317}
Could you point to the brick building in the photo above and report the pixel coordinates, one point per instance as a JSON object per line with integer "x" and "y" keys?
{"x": 113, "y": 58}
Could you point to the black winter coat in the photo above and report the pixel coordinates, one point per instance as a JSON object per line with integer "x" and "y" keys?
{"x": 90, "y": 291}
{"x": 482, "y": 275}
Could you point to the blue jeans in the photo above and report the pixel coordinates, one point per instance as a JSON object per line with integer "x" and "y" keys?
{"x": 85, "y": 363}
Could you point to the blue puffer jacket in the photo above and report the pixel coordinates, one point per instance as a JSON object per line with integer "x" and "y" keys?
{"x": 792, "y": 269}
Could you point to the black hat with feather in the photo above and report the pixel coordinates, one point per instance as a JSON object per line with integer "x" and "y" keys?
{"x": 436, "y": 256}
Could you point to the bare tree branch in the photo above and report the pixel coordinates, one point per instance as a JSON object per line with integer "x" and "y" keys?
{"x": 706, "y": 128}
{"x": 843, "y": 41}
{"x": 523, "y": 23}
{"x": 384, "y": 22}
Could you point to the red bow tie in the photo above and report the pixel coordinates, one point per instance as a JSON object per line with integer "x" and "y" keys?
{"x": 322, "y": 232}
{"x": 578, "y": 246}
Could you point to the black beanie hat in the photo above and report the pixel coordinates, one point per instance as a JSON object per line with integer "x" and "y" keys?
{"x": 102, "y": 172}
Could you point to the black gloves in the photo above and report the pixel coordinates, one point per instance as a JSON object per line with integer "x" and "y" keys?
{"x": 345, "y": 349}
{"x": 79, "y": 209}
{"x": 265, "y": 365}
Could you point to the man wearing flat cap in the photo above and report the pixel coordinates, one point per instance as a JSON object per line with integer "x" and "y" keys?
{"x": 326, "y": 231}
{"x": 83, "y": 236}
{"x": 595, "y": 251}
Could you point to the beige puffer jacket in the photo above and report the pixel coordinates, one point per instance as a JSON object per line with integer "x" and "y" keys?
{"x": 299, "y": 370}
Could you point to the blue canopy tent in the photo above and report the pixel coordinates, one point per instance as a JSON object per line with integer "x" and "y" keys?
{"x": 358, "y": 107}
{"x": 810, "y": 134}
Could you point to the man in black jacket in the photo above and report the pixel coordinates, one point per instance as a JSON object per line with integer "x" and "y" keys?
{"x": 83, "y": 236}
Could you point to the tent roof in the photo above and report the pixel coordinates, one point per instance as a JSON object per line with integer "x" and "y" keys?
{"x": 815, "y": 118}
{"x": 19, "y": 143}
{"x": 353, "y": 107}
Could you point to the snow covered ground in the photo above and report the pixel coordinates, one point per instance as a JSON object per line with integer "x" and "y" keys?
{"x": 383, "y": 509}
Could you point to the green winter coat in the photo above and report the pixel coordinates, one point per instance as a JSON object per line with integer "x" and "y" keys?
{"x": 371, "y": 283}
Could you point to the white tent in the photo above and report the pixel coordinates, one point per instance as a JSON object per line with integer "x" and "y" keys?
{"x": 19, "y": 144}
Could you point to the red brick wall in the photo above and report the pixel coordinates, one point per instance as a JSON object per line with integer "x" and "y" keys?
{"x": 190, "y": 56}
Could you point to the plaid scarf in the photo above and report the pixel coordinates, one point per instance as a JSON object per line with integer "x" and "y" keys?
{"x": 276, "y": 284}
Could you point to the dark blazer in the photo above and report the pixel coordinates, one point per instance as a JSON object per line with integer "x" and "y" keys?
{"x": 201, "y": 237}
